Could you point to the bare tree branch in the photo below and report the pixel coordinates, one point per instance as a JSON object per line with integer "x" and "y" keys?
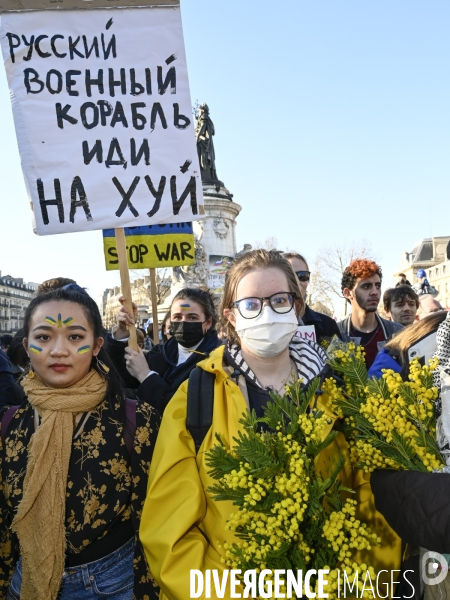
{"x": 141, "y": 284}
{"x": 328, "y": 267}
{"x": 270, "y": 243}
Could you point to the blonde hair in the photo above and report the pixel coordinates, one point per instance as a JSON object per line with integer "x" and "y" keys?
{"x": 250, "y": 261}
{"x": 415, "y": 332}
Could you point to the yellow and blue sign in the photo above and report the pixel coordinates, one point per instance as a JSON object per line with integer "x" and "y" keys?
{"x": 152, "y": 246}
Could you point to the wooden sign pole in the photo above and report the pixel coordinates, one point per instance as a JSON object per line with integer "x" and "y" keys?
{"x": 125, "y": 282}
{"x": 154, "y": 305}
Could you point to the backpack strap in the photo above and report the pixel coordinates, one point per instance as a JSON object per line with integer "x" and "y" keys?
{"x": 130, "y": 425}
{"x": 7, "y": 420}
{"x": 200, "y": 404}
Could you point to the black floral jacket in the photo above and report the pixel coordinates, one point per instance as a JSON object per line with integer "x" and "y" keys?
{"x": 106, "y": 487}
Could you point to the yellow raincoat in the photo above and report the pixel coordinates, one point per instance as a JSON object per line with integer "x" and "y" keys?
{"x": 183, "y": 528}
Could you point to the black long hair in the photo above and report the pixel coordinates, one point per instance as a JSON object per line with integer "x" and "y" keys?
{"x": 76, "y": 294}
{"x": 16, "y": 352}
{"x": 202, "y": 297}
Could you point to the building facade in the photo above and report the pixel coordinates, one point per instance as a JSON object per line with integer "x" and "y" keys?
{"x": 15, "y": 296}
{"x": 140, "y": 290}
{"x": 432, "y": 255}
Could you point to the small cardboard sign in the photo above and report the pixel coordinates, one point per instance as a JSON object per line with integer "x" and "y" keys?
{"x": 306, "y": 332}
{"x": 152, "y": 247}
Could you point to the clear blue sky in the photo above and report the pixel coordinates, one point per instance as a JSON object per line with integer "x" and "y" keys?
{"x": 332, "y": 123}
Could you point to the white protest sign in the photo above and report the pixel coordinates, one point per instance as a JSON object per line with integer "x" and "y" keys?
{"x": 103, "y": 117}
{"x": 306, "y": 332}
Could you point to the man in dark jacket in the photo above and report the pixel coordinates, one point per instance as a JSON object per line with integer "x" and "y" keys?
{"x": 324, "y": 326}
{"x": 361, "y": 286}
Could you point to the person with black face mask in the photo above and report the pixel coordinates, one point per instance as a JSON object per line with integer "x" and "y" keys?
{"x": 166, "y": 366}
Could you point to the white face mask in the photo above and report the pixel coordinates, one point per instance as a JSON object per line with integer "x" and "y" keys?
{"x": 269, "y": 333}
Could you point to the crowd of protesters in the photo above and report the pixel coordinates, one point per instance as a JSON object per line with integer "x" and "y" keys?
{"x": 103, "y": 477}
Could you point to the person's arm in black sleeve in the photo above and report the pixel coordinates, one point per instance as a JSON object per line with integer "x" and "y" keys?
{"x": 330, "y": 327}
{"x": 416, "y": 506}
{"x": 7, "y": 382}
{"x": 156, "y": 392}
{"x": 116, "y": 352}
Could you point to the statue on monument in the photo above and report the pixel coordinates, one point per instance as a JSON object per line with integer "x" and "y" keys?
{"x": 245, "y": 249}
{"x": 220, "y": 222}
{"x": 204, "y": 132}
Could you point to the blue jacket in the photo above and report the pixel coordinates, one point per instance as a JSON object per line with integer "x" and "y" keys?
{"x": 383, "y": 360}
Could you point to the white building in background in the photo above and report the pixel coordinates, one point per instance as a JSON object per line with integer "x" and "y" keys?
{"x": 15, "y": 296}
{"x": 109, "y": 303}
{"x": 432, "y": 255}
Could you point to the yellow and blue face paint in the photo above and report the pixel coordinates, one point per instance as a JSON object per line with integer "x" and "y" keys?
{"x": 83, "y": 349}
{"x": 185, "y": 306}
{"x": 59, "y": 322}
{"x": 35, "y": 349}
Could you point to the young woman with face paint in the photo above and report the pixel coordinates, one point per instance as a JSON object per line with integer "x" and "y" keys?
{"x": 70, "y": 493}
{"x": 161, "y": 372}
{"x": 182, "y": 527}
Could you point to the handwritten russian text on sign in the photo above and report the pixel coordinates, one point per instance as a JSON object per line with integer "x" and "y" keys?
{"x": 103, "y": 117}
{"x": 152, "y": 247}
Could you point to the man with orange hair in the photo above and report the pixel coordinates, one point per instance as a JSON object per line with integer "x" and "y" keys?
{"x": 361, "y": 286}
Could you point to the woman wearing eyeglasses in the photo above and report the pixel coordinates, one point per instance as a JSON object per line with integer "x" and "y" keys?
{"x": 182, "y": 528}
{"x": 325, "y": 326}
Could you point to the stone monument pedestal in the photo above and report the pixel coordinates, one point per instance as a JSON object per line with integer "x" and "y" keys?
{"x": 218, "y": 234}
{"x": 215, "y": 235}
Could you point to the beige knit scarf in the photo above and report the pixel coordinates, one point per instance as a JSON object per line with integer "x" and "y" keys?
{"x": 40, "y": 519}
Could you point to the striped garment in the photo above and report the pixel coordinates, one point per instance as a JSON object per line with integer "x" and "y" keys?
{"x": 308, "y": 357}
{"x": 440, "y": 376}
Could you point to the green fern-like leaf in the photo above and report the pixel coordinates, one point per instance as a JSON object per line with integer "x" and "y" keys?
{"x": 378, "y": 386}
{"x": 349, "y": 405}
{"x": 298, "y": 560}
{"x": 220, "y": 460}
{"x": 407, "y": 393}
{"x": 311, "y": 391}
{"x": 425, "y": 440}
{"x": 273, "y": 416}
{"x": 313, "y": 449}
{"x": 249, "y": 421}
{"x": 399, "y": 451}
{"x": 222, "y": 492}
{"x": 285, "y": 405}
{"x": 403, "y": 445}
{"x": 357, "y": 372}
{"x": 427, "y": 379}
